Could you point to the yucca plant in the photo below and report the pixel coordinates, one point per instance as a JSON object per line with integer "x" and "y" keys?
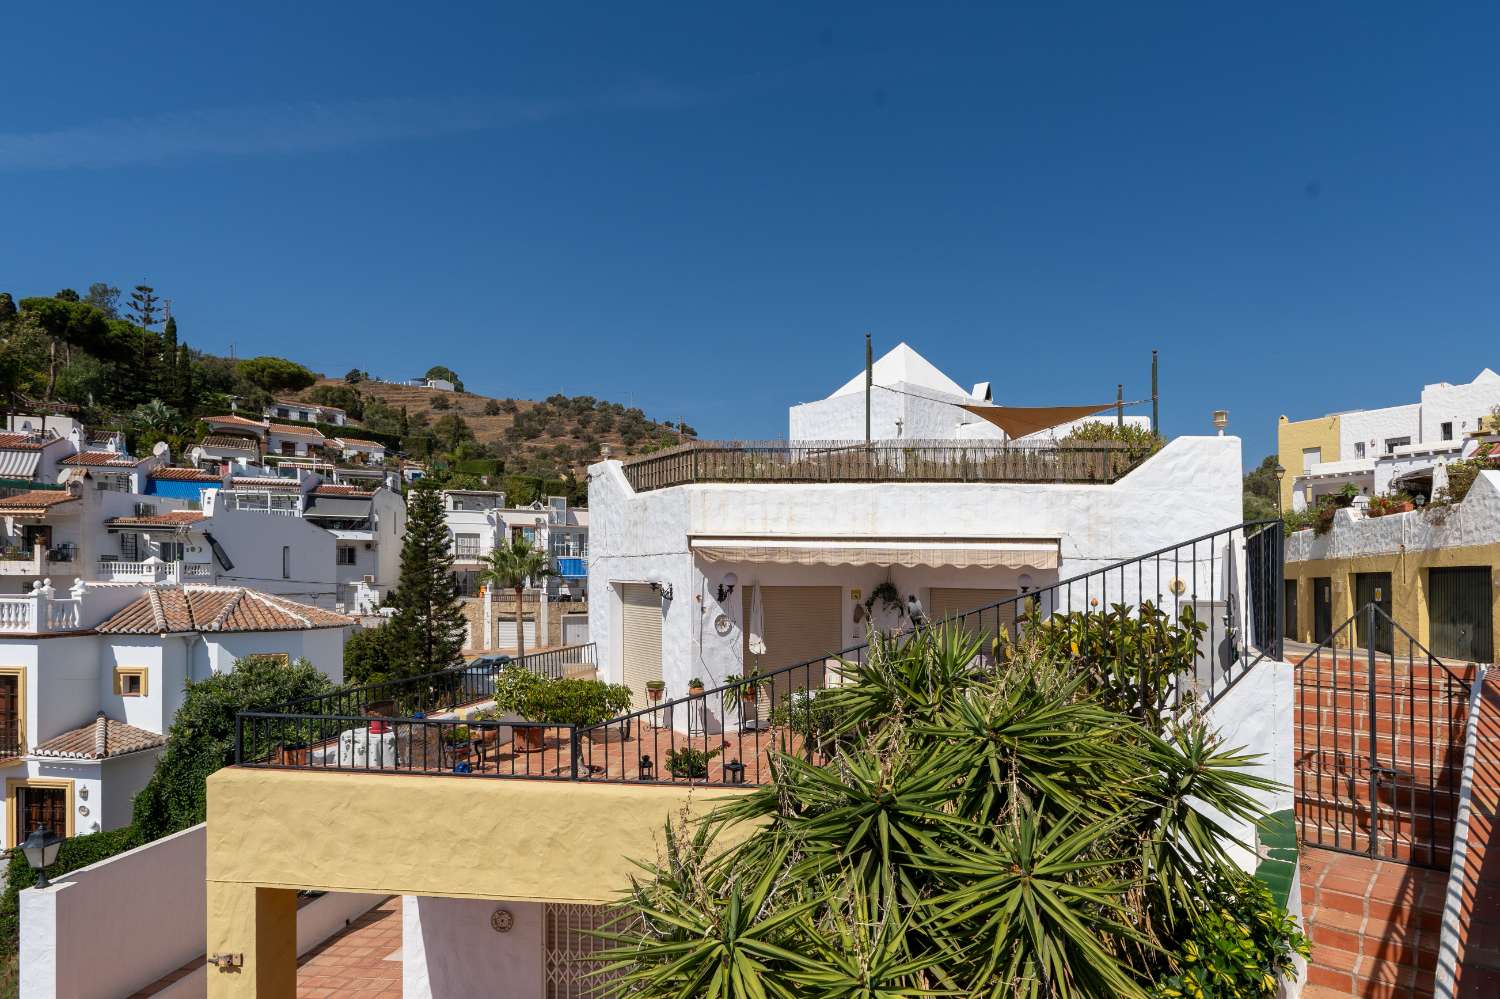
{"x": 991, "y": 826}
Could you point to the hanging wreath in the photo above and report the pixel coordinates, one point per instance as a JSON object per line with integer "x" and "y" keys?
{"x": 887, "y": 594}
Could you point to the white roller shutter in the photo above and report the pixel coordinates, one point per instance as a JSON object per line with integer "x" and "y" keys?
{"x": 507, "y": 635}
{"x": 951, "y": 601}
{"x": 640, "y": 620}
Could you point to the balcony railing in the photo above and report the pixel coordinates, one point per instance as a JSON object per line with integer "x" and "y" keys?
{"x": 883, "y": 461}
{"x": 41, "y": 611}
{"x": 1228, "y": 582}
{"x": 37, "y": 560}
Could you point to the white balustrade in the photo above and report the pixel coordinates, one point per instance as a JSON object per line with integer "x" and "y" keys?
{"x": 41, "y": 610}
{"x": 17, "y": 614}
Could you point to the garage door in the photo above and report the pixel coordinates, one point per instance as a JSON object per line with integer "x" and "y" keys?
{"x": 640, "y": 620}
{"x": 507, "y": 635}
{"x": 1459, "y": 613}
{"x": 802, "y": 624}
{"x": 576, "y": 629}
{"x": 952, "y": 601}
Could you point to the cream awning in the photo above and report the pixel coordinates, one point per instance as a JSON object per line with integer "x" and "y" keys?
{"x": 977, "y": 553}
{"x": 1020, "y": 421}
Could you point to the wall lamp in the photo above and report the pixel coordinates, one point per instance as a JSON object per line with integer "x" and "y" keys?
{"x": 1221, "y": 420}
{"x": 1024, "y": 582}
{"x": 727, "y": 586}
{"x": 41, "y": 849}
{"x": 665, "y": 589}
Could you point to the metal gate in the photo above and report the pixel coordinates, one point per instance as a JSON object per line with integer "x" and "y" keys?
{"x": 1459, "y": 612}
{"x": 1374, "y": 588}
{"x": 1380, "y": 743}
{"x": 570, "y": 968}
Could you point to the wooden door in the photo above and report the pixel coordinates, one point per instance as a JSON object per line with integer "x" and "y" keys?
{"x": 40, "y": 806}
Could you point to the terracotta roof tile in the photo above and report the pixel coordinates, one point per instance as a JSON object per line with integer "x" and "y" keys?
{"x": 216, "y": 609}
{"x": 185, "y": 475}
{"x": 294, "y": 430}
{"x": 101, "y": 739}
{"x": 334, "y": 489}
{"x": 267, "y": 482}
{"x": 24, "y": 442}
{"x": 113, "y": 458}
{"x": 171, "y": 518}
{"x": 235, "y": 421}
{"x": 37, "y": 499}
{"x": 238, "y": 443}
{"x": 358, "y": 442}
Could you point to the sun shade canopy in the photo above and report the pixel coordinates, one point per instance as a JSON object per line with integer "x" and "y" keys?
{"x": 1018, "y": 421}
{"x": 978, "y": 553}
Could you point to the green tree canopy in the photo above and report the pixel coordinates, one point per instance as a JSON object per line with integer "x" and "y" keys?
{"x": 276, "y": 374}
{"x": 510, "y": 567}
{"x": 426, "y": 633}
{"x": 1261, "y": 489}
{"x": 201, "y": 739}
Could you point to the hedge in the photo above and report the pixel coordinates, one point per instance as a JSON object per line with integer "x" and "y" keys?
{"x": 79, "y": 851}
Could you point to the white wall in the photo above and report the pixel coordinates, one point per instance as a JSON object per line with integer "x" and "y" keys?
{"x": 254, "y": 540}
{"x": 1190, "y": 488}
{"x": 1475, "y": 521}
{"x": 115, "y": 926}
{"x": 323, "y": 647}
{"x": 1256, "y": 714}
{"x": 448, "y": 949}
{"x": 1373, "y": 427}
{"x": 1462, "y": 405}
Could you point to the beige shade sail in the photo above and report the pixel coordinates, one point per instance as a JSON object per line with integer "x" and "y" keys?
{"x": 976, "y": 553}
{"x": 1018, "y": 421}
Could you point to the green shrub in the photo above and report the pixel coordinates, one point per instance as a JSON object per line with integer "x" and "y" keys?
{"x": 583, "y": 703}
{"x": 80, "y": 851}
{"x": 689, "y": 762}
{"x": 1138, "y": 441}
{"x": 513, "y": 687}
{"x": 1241, "y": 946}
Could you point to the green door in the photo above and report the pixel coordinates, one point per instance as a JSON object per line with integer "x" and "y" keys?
{"x": 1373, "y": 588}
{"x": 1459, "y": 613}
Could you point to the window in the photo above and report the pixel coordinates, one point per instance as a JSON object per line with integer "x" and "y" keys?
{"x": 346, "y": 555}
{"x": 130, "y": 546}
{"x": 1391, "y": 443}
{"x": 466, "y": 546}
{"x": 171, "y": 551}
{"x": 1310, "y": 457}
{"x": 284, "y": 413}
{"x": 1359, "y": 449}
{"x": 286, "y": 562}
{"x": 12, "y": 711}
{"x": 1447, "y": 430}
{"x": 289, "y": 448}
{"x": 130, "y": 681}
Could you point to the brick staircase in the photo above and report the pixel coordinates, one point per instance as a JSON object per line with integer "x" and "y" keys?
{"x": 1374, "y": 920}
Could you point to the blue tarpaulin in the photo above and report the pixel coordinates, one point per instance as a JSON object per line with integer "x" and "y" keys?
{"x": 572, "y": 568}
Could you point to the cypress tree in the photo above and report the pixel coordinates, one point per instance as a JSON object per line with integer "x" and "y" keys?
{"x": 168, "y": 391}
{"x": 426, "y": 633}
{"x": 187, "y": 399}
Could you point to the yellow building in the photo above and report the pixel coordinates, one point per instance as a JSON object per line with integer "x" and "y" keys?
{"x": 1302, "y": 443}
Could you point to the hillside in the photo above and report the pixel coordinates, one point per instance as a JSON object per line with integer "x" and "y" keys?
{"x": 546, "y": 438}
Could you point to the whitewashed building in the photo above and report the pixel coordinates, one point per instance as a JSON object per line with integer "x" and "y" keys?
{"x": 679, "y": 542}
{"x": 478, "y": 520}
{"x": 1385, "y": 450}
{"x": 91, "y": 676}
{"x": 306, "y": 412}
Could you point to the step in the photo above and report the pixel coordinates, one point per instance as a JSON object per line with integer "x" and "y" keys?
{"x": 1348, "y": 819}
{"x": 1400, "y": 849}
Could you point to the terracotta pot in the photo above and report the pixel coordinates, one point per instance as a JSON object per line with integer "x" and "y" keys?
{"x": 695, "y": 691}
{"x": 530, "y": 740}
{"x": 293, "y": 756}
{"x": 654, "y": 694}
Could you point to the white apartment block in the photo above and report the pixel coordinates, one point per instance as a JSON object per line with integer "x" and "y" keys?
{"x": 478, "y": 520}
{"x": 306, "y": 412}
{"x": 1380, "y": 451}
{"x": 92, "y": 675}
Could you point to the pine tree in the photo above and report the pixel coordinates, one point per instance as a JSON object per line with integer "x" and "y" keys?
{"x": 427, "y": 631}
{"x": 142, "y": 307}
{"x": 167, "y": 373}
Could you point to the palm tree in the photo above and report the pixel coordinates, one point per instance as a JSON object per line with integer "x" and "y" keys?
{"x": 510, "y": 566}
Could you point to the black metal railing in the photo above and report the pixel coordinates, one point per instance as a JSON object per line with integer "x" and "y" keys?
{"x": 883, "y": 461}
{"x": 1380, "y": 731}
{"x": 1227, "y": 584}
{"x": 435, "y": 693}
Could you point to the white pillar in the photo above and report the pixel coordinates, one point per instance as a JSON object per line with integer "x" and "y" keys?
{"x": 488, "y": 609}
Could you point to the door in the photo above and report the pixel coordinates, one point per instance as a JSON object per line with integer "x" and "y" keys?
{"x": 1289, "y": 611}
{"x": 802, "y": 625}
{"x": 1322, "y": 587}
{"x": 640, "y": 639}
{"x": 1373, "y": 588}
{"x": 40, "y": 806}
{"x": 1459, "y": 613}
{"x": 576, "y": 629}
{"x": 36, "y": 534}
{"x": 11, "y": 736}
{"x": 951, "y": 602}
{"x": 507, "y": 634}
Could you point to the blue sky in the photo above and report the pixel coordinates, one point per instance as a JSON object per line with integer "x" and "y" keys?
{"x": 701, "y": 211}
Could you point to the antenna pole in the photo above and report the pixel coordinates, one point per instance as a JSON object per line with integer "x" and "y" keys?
{"x": 869, "y": 383}
{"x": 1120, "y": 406}
{"x": 1155, "y": 414}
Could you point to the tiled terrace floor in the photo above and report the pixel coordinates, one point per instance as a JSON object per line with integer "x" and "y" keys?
{"x": 357, "y": 961}
{"x": 1374, "y": 925}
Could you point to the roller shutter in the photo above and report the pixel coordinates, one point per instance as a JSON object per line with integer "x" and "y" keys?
{"x": 802, "y": 624}
{"x": 640, "y": 619}
{"x": 507, "y": 634}
{"x": 951, "y": 601}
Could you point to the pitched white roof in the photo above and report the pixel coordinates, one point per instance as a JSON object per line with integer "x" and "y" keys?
{"x": 903, "y": 366}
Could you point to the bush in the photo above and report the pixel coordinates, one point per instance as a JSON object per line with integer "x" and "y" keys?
{"x": 80, "y": 851}
{"x": 1242, "y": 945}
{"x": 689, "y": 762}
{"x": 583, "y": 703}
{"x": 514, "y": 685}
{"x": 441, "y": 402}
{"x": 1382, "y": 506}
{"x": 1138, "y": 441}
{"x": 492, "y": 408}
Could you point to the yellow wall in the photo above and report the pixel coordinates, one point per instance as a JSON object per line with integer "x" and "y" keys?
{"x": 271, "y": 832}
{"x": 1293, "y": 437}
{"x": 1408, "y": 587}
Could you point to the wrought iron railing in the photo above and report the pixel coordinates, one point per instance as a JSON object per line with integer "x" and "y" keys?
{"x": 1380, "y": 731}
{"x": 1228, "y": 583}
{"x": 883, "y": 461}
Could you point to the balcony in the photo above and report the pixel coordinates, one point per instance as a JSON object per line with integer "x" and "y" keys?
{"x": 1228, "y": 582}
{"x": 882, "y": 461}
{"x": 153, "y": 570}
{"x": 40, "y": 561}
{"x": 41, "y": 611}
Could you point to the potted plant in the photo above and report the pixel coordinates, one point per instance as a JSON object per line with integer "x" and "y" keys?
{"x": 695, "y": 687}
{"x": 740, "y": 688}
{"x": 654, "y": 689}
{"x": 484, "y": 727}
{"x": 293, "y": 753}
{"x": 584, "y": 704}
{"x": 689, "y": 763}
{"x": 457, "y": 739}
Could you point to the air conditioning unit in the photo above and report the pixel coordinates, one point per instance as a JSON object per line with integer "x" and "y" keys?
{"x": 370, "y": 580}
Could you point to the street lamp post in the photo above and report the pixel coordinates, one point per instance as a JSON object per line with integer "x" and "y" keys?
{"x": 1280, "y": 474}
{"x": 40, "y": 849}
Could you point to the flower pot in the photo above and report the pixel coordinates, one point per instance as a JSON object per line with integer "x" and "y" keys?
{"x": 292, "y": 756}
{"x": 653, "y": 694}
{"x": 530, "y": 740}
{"x": 695, "y": 691}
